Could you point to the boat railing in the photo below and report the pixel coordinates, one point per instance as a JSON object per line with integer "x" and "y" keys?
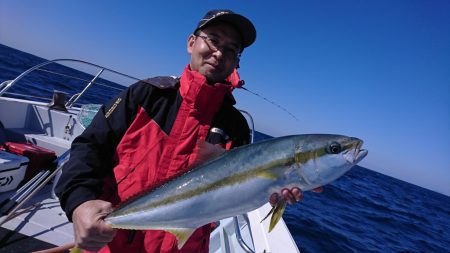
{"x": 239, "y": 238}
{"x": 6, "y": 85}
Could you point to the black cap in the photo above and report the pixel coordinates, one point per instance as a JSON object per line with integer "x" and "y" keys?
{"x": 241, "y": 23}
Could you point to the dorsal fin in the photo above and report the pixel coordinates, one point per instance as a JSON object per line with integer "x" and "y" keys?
{"x": 206, "y": 152}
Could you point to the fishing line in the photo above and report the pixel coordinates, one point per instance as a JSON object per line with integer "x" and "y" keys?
{"x": 272, "y": 102}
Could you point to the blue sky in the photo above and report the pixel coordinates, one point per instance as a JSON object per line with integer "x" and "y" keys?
{"x": 377, "y": 70}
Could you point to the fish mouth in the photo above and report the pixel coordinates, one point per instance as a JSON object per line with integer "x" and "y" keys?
{"x": 358, "y": 153}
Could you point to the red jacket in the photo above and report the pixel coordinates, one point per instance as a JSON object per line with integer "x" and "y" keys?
{"x": 165, "y": 124}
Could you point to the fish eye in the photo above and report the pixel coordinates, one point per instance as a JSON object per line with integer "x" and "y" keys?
{"x": 334, "y": 148}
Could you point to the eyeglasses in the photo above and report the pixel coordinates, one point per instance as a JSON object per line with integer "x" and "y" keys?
{"x": 214, "y": 44}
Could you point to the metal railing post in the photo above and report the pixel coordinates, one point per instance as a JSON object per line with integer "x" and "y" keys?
{"x": 4, "y": 86}
{"x": 85, "y": 89}
{"x": 239, "y": 238}
{"x": 241, "y": 242}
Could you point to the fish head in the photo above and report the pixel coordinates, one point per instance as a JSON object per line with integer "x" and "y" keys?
{"x": 323, "y": 158}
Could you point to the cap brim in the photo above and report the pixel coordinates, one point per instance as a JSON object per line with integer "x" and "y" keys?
{"x": 241, "y": 23}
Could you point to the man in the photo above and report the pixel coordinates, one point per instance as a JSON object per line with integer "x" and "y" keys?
{"x": 149, "y": 135}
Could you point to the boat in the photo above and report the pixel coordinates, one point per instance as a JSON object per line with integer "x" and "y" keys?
{"x": 32, "y": 219}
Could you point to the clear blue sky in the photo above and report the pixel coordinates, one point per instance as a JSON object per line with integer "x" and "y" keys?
{"x": 377, "y": 70}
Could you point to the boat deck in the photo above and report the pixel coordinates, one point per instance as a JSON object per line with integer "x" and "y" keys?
{"x": 38, "y": 225}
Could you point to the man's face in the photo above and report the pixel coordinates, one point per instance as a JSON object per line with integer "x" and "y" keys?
{"x": 214, "y": 51}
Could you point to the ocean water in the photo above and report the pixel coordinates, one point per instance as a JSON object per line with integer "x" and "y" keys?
{"x": 363, "y": 211}
{"x": 13, "y": 62}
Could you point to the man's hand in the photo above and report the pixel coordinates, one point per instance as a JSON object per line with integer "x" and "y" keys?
{"x": 91, "y": 232}
{"x": 290, "y": 196}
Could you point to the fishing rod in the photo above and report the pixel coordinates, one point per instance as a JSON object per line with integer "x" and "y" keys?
{"x": 38, "y": 183}
{"x": 8, "y": 204}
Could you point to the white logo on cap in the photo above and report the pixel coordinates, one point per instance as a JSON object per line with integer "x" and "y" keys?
{"x": 217, "y": 14}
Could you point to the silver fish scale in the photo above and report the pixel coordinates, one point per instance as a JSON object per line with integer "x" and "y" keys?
{"x": 237, "y": 182}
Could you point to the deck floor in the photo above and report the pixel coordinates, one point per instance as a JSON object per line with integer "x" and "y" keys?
{"x": 36, "y": 227}
{"x": 13, "y": 242}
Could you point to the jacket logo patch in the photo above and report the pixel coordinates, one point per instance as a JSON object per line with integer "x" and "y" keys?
{"x": 113, "y": 107}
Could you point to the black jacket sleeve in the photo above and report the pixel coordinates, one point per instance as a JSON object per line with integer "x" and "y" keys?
{"x": 92, "y": 152}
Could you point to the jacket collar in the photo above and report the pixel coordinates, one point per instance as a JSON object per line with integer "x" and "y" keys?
{"x": 200, "y": 95}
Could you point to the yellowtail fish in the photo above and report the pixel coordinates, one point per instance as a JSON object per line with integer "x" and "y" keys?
{"x": 239, "y": 181}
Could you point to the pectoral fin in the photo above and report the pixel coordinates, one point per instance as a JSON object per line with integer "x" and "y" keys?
{"x": 277, "y": 214}
{"x": 271, "y": 211}
{"x": 182, "y": 235}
